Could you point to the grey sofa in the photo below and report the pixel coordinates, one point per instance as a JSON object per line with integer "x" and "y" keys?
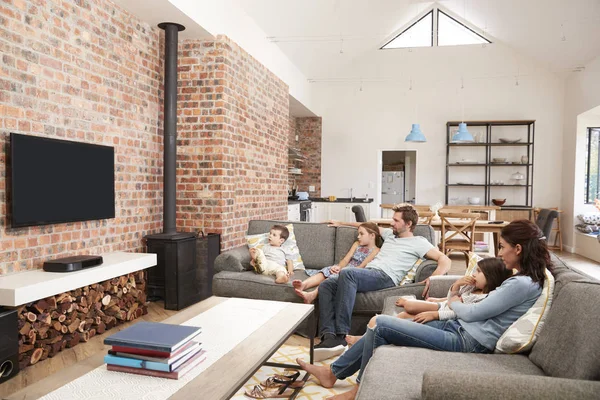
{"x": 563, "y": 364}
{"x": 320, "y": 246}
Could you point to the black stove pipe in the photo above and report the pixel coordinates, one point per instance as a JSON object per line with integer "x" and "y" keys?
{"x": 170, "y": 125}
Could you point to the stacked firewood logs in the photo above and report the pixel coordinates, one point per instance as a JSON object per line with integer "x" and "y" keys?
{"x": 49, "y": 325}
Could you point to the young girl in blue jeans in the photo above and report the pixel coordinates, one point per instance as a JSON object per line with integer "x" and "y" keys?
{"x": 360, "y": 254}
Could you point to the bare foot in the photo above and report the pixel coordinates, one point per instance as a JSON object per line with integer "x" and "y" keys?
{"x": 282, "y": 279}
{"x": 298, "y": 284}
{"x": 405, "y": 315}
{"x": 401, "y": 302}
{"x": 322, "y": 373}
{"x": 352, "y": 339}
{"x": 350, "y": 395}
{"x": 308, "y": 297}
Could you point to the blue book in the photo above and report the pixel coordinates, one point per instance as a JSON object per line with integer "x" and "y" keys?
{"x": 156, "y": 366}
{"x": 154, "y": 336}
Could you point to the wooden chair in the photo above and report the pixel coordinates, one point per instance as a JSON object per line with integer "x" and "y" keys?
{"x": 458, "y": 236}
{"x": 425, "y": 217}
{"x": 422, "y": 208}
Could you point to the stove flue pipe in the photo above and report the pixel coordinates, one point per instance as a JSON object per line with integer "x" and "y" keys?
{"x": 170, "y": 125}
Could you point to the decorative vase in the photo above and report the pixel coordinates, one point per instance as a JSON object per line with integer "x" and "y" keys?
{"x": 524, "y": 159}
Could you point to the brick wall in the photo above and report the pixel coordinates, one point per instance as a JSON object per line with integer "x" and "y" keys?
{"x": 309, "y": 143}
{"x": 233, "y": 135}
{"x": 87, "y": 71}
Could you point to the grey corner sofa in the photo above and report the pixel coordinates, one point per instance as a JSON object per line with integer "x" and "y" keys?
{"x": 564, "y": 363}
{"x": 320, "y": 246}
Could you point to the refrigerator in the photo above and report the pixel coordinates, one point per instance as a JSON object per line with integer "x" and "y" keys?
{"x": 392, "y": 187}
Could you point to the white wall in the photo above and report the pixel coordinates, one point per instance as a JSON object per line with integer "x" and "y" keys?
{"x": 226, "y": 17}
{"x": 582, "y": 95}
{"x": 357, "y": 124}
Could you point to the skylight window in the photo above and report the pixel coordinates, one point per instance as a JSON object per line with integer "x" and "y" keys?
{"x": 436, "y": 29}
{"x": 450, "y": 32}
{"x": 418, "y": 34}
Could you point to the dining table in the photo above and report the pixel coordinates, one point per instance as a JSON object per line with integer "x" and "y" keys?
{"x": 493, "y": 227}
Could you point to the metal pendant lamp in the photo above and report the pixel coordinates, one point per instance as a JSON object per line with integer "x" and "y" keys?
{"x": 415, "y": 135}
{"x": 462, "y": 135}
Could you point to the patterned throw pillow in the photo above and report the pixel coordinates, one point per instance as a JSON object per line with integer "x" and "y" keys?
{"x": 590, "y": 218}
{"x": 474, "y": 258}
{"x": 410, "y": 275}
{"x": 290, "y": 245}
{"x": 523, "y": 333}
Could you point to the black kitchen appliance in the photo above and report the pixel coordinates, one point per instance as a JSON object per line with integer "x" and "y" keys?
{"x": 305, "y": 210}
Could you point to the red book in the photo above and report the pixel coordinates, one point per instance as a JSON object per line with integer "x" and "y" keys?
{"x": 152, "y": 353}
{"x": 178, "y": 373}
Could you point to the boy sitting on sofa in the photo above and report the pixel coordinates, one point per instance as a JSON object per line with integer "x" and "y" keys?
{"x": 272, "y": 259}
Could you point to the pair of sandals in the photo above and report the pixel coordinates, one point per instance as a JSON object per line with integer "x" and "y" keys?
{"x": 272, "y": 387}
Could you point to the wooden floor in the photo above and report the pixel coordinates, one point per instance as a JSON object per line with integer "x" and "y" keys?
{"x": 156, "y": 313}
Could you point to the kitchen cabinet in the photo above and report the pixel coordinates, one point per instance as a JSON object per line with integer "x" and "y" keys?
{"x": 319, "y": 212}
{"x": 294, "y": 212}
{"x": 338, "y": 211}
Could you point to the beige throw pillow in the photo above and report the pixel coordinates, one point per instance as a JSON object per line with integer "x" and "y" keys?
{"x": 523, "y": 333}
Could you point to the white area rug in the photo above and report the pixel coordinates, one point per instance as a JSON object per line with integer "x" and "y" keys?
{"x": 223, "y": 327}
{"x": 312, "y": 390}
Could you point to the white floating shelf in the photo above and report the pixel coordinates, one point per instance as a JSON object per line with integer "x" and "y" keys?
{"x": 24, "y": 287}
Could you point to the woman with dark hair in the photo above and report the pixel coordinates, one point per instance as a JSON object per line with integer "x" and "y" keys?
{"x": 477, "y": 327}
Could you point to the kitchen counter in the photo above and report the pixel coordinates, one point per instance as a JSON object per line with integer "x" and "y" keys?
{"x": 358, "y": 200}
{"x": 465, "y": 206}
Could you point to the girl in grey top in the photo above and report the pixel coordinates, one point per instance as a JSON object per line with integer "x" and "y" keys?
{"x": 479, "y": 325}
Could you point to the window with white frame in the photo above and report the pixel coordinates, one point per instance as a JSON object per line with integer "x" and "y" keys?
{"x": 592, "y": 165}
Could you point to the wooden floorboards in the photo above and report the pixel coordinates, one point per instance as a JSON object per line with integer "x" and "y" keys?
{"x": 156, "y": 313}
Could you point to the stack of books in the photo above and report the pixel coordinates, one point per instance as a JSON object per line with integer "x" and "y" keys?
{"x": 481, "y": 247}
{"x": 155, "y": 349}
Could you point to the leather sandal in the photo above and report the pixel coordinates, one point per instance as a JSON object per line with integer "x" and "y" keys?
{"x": 272, "y": 382}
{"x": 259, "y": 393}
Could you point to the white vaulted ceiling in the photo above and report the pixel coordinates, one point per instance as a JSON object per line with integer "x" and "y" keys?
{"x": 322, "y": 37}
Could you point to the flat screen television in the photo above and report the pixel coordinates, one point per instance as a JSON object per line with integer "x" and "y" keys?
{"x": 54, "y": 181}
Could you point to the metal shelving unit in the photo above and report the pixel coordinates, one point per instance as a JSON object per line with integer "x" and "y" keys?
{"x": 491, "y": 142}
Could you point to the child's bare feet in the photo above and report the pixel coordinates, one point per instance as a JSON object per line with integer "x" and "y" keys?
{"x": 405, "y": 315}
{"x": 352, "y": 339}
{"x": 282, "y": 278}
{"x": 298, "y": 284}
{"x": 308, "y": 297}
{"x": 322, "y": 373}
{"x": 401, "y": 302}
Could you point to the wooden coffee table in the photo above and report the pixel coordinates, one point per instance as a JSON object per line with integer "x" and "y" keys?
{"x": 225, "y": 376}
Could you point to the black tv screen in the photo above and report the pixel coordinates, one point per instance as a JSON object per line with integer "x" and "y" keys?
{"x": 56, "y": 181}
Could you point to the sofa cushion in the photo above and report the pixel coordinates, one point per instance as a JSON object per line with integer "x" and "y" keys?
{"x": 522, "y": 334}
{"x": 563, "y": 274}
{"x": 426, "y": 231}
{"x": 397, "y": 372}
{"x": 251, "y": 285}
{"x": 569, "y": 344}
{"x": 344, "y": 239}
{"x": 316, "y": 242}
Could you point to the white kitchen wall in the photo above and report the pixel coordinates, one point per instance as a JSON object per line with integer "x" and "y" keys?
{"x": 357, "y": 124}
{"x": 582, "y": 95}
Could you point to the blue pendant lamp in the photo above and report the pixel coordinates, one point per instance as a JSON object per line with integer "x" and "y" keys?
{"x": 462, "y": 135}
{"x": 415, "y": 135}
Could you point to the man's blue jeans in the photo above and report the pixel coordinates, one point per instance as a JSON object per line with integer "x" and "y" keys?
{"x": 337, "y": 296}
{"x": 436, "y": 335}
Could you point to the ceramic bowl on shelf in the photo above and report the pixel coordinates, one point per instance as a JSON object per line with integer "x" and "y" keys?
{"x": 499, "y": 160}
{"x": 474, "y": 200}
{"x": 498, "y": 202}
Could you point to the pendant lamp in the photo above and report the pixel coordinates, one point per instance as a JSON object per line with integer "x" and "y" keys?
{"x": 462, "y": 135}
{"x": 415, "y": 135}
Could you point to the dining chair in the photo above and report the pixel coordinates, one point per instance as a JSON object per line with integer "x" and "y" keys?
{"x": 425, "y": 217}
{"x": 544, "y": 220}
{"x": 359, "y": 213}
{"x": 422, "y": 208}
{"x": 458, "y": 232}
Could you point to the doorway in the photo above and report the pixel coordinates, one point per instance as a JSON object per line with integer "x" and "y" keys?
{"x": 397, "y": 177}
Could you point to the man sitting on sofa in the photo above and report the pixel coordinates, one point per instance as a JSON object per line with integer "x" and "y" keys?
{"x": 400, "y": 251}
